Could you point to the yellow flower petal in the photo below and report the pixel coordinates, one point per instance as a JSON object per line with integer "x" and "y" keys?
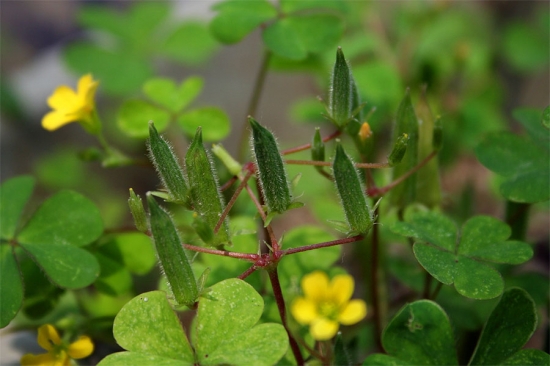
{"x": 44, "y": 359}
{"x": 82, "y": 347}
{"x": 48, "y": 335}
{"x": 64, "y": 99}
{"x": 88, "y": 94}
{"x": 353, "y": 312}
{"x": 323, "y": 329}
{"x": 304, "y": 310}
{"x": 341, "y": 289}
{"x": 315, "y": 286}
{"x": 54, "y": 120}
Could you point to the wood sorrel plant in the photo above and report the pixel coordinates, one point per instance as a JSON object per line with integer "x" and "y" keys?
{"x": 213, "y": 240}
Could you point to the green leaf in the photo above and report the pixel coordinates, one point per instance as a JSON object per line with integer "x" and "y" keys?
{"x": 546, "y": 118}
{"x": 351, "y": 192}
{"x": 190, "y": 43}
{"x": 291, "y": 6}
{"x": 525, "y": 47}
{"x": 65, "y": 218}
{"x": 166, "y": 163}
{"x": 206, "y": 196}
{"x": 213, "y": 120}
{"x": 282, "y": 39}
{"x": 528, "y": 357}
{"x": 509, "y": 327}
{"x": 379, "y": 82}
{"x": 134, "y": 115}
{"x": 226, "y": 329}
{"x": 294, "y": 37}
{"x": 64, "y": 264}
{"x": 521, "y": 161}
{"x": 138, "y": 358}
{"x": 14, "y": 194}
{"x": 149, "y": 329}
{"x": 11, "y": 285}
{"x": 236, "y": 19}
{"x": 114, "y": 279}
{"x": 420, "y": 334}
{"x": 530, "y": 119}
{"x": 172, "y": 257}
{"x": 458, "y": 258}
{"x": 164, "y": 92}
{"x": 133, "y": 250}
{"x": 119, "y": 73}
{"x": 270, "y": 169}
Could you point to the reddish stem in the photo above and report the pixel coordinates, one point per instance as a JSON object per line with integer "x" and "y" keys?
{"x": 246, "y": 256}
{"x": 248, "y": 272}
{"x": 293, "y": 150}
{"x": 381, "y": 191}
{"x": 278, "y": 293}
{"x": 232, "y": 202}
{"x": 327, "y": 163}
{"x": 323, "y": 245}
{"x": 229, "y": 183}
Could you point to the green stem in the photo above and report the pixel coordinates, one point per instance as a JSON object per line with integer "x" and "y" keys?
{"x": 376, "y": 295}
{"x": 254, "y": 101}
{"x": 436, "y": 290}
{"x": 279, "y": 299}
{"x": 517, "y": 215}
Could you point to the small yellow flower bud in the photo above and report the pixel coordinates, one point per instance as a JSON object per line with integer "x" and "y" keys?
{"x": 365, "y": 132}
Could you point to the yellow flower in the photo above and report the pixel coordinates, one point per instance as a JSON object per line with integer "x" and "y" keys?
{"x": 326, "y": 304}
{"x": 365, "y": 132}
{"x": 70, "y": 106}
{"x": 59, "y": 353}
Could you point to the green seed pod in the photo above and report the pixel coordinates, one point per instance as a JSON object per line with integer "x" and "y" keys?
{"x": 437, "y": 139}
{"x": 341, "y": 94}
{"x": 171, "y": 254}
{"x": 231, "y": 164}
{"x": 205, "y": 192}
{"x": 138, "y": 212}
{"x": 270, "y": 169}
{"x": 317, "y": 147}
{"x": 428, "y": 185}
{"x": 203, "y": 229}
{"x": 351, "y": 192}
{"x": 166, "y": 164}
{"x": 406, "y": 123}
{"x": 399, "y": 150}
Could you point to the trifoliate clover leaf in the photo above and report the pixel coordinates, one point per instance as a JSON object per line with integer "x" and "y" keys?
{"x": 458, "y": 258}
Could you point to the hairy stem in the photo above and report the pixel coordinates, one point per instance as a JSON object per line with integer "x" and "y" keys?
{"x": 327, "y": 163}
{"x": 293, "y": 150}
{"x": 232, "y": 202}
{"x": 278, "y": 293}
{"x": 375, "y": 282}
{"x": 224, "y": 253}
{"x": 323, "y": 245}
{"x": 386, "y": 189}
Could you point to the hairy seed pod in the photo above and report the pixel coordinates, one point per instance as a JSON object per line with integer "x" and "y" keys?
{"x": 342, "y": 89}
{"x": 171, "y": 254}
{"x": 399, "y": 150}
{"x": 317, "y": 147}
{"x": 205, "y": 192}
{"x": 351, "y": 192}
{"x": 138, "y": 212}
{"x": 270, "y": 169}
{"x": 166, "y": 164}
